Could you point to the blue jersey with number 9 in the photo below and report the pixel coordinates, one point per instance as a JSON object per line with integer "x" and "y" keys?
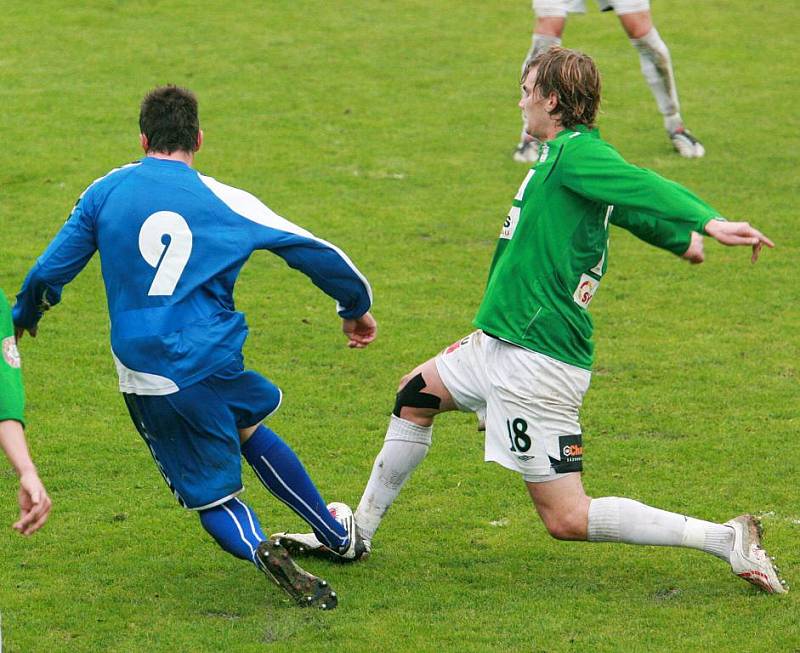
{"x": 171, "y": 244}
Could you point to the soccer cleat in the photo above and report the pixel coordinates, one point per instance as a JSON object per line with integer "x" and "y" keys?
{"x": 306, "y": 589}
{"x": 749, "y": 561}
{"x": 526, "y": 151}
{"x": 686, "y": 144}
{"x": 309, "y": 544}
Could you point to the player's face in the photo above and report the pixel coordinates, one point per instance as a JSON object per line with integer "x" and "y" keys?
{"x": 535, "y": 110}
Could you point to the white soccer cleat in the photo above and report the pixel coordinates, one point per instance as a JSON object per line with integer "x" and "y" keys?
{"x": 686, "y": 144}
{"x": 342, "y": 513}
{"x": 749, "y": 561}
{"x": 309, "y": 544}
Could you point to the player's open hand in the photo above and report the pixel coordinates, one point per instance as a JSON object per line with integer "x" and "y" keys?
{"x": 695, "y": 253}
{"x": 738, "y": 233}
{"x": 360, "y": 332}
{"x": 34, "y": 504}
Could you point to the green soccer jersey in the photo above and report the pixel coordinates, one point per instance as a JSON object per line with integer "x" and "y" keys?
{"x": 553, "y": 246}
{"x": 12, "y": 398}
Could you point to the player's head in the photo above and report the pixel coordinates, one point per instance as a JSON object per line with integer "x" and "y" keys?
{"x": 569, "y": 81}
{"x": 168, "y": 120}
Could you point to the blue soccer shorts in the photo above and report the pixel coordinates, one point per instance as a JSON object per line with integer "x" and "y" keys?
{"x": 193, "y": 433}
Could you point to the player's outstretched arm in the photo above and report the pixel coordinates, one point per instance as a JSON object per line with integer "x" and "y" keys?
{"x": 361, "y": 331}
{"x": 34, "y": 504}
{"x": 738, "y": 233}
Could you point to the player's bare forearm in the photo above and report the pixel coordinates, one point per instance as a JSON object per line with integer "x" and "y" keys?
{"x": 12, "y": 440}
{"x": 34, "y": 503}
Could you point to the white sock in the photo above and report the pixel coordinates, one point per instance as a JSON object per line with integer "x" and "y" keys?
{"x": 614, "y": 519}
{"x": 539, "y": 43}
{"x": 405, "y": 446}
{"x": 657, "y": 70}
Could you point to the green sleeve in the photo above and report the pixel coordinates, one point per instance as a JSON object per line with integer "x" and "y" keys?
{"x": 673, "y": 236}
{"x": 12, "y": 396}
{"x": 595, "y": 170}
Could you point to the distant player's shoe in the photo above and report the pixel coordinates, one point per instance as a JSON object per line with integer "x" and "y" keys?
{"x": 749, "y": 561}
{"x": 526, "y": 151}
{"x": 306, "y": 589}
{"x": 686, "y": 144}
{"x": 308, "y": 544}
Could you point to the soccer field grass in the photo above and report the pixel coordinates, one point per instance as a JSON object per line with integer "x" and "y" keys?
{"x": 387, "y": 128}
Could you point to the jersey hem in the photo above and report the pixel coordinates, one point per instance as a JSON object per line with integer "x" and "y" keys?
{"x": 538, "y": 350}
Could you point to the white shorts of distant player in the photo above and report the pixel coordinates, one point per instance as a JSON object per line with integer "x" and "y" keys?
{"x": 560, "y": 8}
{"x": 529, "y": 402}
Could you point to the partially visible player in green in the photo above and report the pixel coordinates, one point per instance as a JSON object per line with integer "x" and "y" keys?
{"x": 527, "y": 368}
{"x": 34, "y": 504}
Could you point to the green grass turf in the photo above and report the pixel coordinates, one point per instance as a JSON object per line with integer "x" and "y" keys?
{"x": 387, "y": 127}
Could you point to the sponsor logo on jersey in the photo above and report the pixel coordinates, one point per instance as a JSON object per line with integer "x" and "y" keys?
{"x": 524, "y": 458}
{"x": 458, "y": 344}
{"x": 510, "y": 224}
{"x": 570, "y": 450}
{"x": 10, "y": 352}
{"x": 587, "y": 287}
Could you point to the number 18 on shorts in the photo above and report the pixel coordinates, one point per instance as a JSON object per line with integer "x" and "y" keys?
{"x": 530, "y": 403}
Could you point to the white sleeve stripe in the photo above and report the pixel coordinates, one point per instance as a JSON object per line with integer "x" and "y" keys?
{"x": 110, "y": 172}
{"x": 251, "y": 208}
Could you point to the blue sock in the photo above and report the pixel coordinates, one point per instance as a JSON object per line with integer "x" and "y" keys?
{"x": 282, "y": 473}
{"x": 235, "y": 527}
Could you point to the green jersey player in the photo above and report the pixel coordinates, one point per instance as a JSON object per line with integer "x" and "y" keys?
{"x": 526, "y": 369}
{"x": 34, "y": 504}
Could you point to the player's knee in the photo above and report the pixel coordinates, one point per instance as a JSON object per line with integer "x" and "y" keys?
{"x": 566, "y": 522}
{"x": 637, "y": 25}
{"x": 566, "y": 525}
{"x": 411, "y": 401}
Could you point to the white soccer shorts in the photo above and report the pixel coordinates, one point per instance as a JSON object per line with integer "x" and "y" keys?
{"x": 530, "y": 403}
{"x": 560, "y": 8}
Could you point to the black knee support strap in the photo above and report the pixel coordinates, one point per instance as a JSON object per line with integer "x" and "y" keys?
{"x": 410, "y": 395}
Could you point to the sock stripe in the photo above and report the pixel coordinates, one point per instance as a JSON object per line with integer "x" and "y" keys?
{"x": 312, "y": 512}
{"x": 241, "y": 531}
{"x": 249, "y": 514}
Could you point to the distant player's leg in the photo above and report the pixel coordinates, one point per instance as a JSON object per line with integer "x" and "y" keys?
{"x": 656, "y": 64}
{"x": 551, "y": 17}
{"x": 569, "y": 514}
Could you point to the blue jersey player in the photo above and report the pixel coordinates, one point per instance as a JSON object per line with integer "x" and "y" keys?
{"x": 171, "y": 243}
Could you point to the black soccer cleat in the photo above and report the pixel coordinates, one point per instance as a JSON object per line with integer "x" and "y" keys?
{"x": 307, "y": 590}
